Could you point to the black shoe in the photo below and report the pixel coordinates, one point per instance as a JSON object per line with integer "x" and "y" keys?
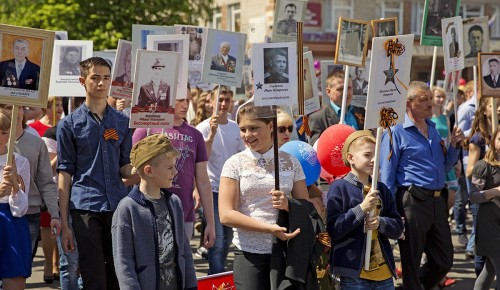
{"x": 48, "y": 279}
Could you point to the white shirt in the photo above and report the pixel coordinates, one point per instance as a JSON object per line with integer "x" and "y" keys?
{"x": 255, "y": 183}
{"x": 19, "y": 204}
{"x": 227, "y": 142}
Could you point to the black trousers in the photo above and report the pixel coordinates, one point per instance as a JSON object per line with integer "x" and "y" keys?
{"x": 251, "y": 271}
{"x": 93, "y": 235}
{"x": 426, "y": 230}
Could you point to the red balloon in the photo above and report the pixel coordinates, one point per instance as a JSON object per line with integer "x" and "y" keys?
{"x": 330, "y": 145}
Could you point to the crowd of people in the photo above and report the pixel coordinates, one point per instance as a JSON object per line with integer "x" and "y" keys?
{"x": 116, "y": 208}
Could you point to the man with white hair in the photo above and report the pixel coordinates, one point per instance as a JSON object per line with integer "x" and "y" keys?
{"x": 19, "y": 72}
{"x": 223, "y": 61}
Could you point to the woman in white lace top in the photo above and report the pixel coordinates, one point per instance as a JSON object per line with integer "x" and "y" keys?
{"x": 248, "y": 201}
{"x": 15, "y": 248}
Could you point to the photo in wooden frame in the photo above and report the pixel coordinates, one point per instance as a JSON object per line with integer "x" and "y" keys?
{"x": 352, "y": 42}
{"x": 489, "y": 74}
{"x": 385, "y": 27}
{"x": 25, "y": 64}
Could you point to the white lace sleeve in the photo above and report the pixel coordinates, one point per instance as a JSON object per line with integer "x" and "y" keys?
{"x": 51, "y": 144}
{"x": 297, "y": 170}
{"x": 231, "y": 167}
{"x": 19, "y": 204}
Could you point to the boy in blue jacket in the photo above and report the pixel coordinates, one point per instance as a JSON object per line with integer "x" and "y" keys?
{"x": 350, "y": 201}
{"x": 150, "y": 247}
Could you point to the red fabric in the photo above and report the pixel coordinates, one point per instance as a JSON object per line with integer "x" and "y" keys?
{"x": 45, "y": 219}
{"x": 39, "y": 127}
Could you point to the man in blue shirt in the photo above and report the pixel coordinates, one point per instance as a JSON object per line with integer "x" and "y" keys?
{"x": 330, "y": 113}
{"x": 414, "y": 167}
{"x": 94, "y": 155}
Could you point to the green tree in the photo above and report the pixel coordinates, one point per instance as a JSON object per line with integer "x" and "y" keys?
{"x": 102, "y": 21}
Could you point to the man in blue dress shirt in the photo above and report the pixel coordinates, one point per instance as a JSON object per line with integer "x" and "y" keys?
{"x": 94, "y": 155}
{"x": 414, "y": 167}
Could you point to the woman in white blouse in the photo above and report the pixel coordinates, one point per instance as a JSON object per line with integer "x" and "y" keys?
{"x": 248, "y": 201}
{"x": 15, "y": 248}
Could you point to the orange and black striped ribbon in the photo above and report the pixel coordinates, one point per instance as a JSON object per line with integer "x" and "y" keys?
{"x": 110, "y": 134}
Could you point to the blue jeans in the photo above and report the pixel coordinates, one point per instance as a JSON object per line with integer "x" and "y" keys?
{"x": 68, "y": 267}
{"x": 217, "y": 255}
{"x": 34, "y": 225}
{"x": 347, "y": 283}
{"x": 459, "y": 210}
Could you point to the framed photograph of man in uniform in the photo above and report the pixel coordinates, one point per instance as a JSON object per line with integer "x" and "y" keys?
{"x": 489, "y": 74}
{"x": 385, "y": 27}
{"x": 476, "y": 38}
{"x": 65, "y": 73}
{"x": 352, "y": 42}
{"x": 359, "y": 76}
{"x": 434, "y": 11}
{"x": 275, "y": 73}
{"x": 286, "y": 15}
{"x": 453, "y": 44}
{"x": 178, "y": 43}
{"x": 224, "y": 57}
{"x": 155, "y": 88}
{"x": 25, "y": 62}
{"x": 311, "y": 97}
{"x": 197, "y": 42}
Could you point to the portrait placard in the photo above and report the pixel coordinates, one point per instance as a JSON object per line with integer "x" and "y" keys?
{"x": 140, "y": 34}
{"x": 121, "y": 85}
{"x": 476, "y": 38}
{"x": 154, "y": 90}
{"x": 434, "y": 11}
{"x": 388, "y": 81}
{"x": 385, "y": 27}
{"x": 286, "y": 15}
{"x": 197, "y": 43}
{"x": 224, "y": 57}
{"x": 178, "y": 43}
{"x": 256, "y": 30}
{"x": 25, "y": 62}
{"x": 489, "y": 74}
{"x": 453, "y": 44}
{"x": 352, "y": 42}
{"x": 109, "y": 56}
{"x": 311, "y": 97}
{"x": 359, "y": 76}
{"x": 275, "y": 73}
{"x": 61, "y": 35}
{"x": 65, "y": 74}
{"x": 327, "y": 67}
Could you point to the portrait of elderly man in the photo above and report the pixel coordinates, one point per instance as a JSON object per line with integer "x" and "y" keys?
{"x": 223, "y": 61}
{"x": 156, "y": 92}
{"x": 277, "y": 66}
{"x": 19, "y": 72}
{"x": 475, "y": 40}
{"x": 288, "y": 26}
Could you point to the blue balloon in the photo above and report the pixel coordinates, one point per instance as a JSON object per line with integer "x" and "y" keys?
{"x": 307, "y": 157}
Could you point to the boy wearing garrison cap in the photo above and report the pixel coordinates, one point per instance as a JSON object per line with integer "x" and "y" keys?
{"x": 350, "y": 201}
{"x": 150, "y": 248}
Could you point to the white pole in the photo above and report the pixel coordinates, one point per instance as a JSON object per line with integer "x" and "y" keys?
{"x": 376, "y": 165}
{"x": 344, "y": 96}
{"x": 455, "y": 91}
{"x": 433, "y": 69}
{"x": 474, "y": 69}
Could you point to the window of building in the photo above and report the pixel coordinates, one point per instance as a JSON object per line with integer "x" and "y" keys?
{"x": 471, "y": 10}
{"x": 217, "y": 19}
{"x": 495, "y": 27}
{"x": 391, "y": 9}
{"x": 235, "y": 17}
{"x": 417, "y": 13}
{"x": 341, "y": 8}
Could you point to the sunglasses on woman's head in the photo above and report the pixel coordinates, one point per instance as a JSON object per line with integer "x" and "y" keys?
{"x": 282, "y": 129}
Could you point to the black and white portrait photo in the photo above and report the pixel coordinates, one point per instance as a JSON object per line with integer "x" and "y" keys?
{"x": 69, "y": 63}
{"x": 453, "y": 43}
{"x": 287, "y": 14}
{"x": 276, "y": 65}
{"x": 434, "y": 11}
{"x": 476, "y": 38}
{"x": 385, "y": 27}
{"x": 352, "y": 39}
{"x": 489, "y": 74}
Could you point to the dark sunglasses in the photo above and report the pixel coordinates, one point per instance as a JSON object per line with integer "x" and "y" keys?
{"x": 282, "y": 129}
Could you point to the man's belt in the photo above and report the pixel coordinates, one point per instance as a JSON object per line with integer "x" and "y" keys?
{"x": 420, "y": 192}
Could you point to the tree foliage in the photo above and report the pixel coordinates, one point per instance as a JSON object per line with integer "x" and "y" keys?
{"x": 102, "y": 21}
